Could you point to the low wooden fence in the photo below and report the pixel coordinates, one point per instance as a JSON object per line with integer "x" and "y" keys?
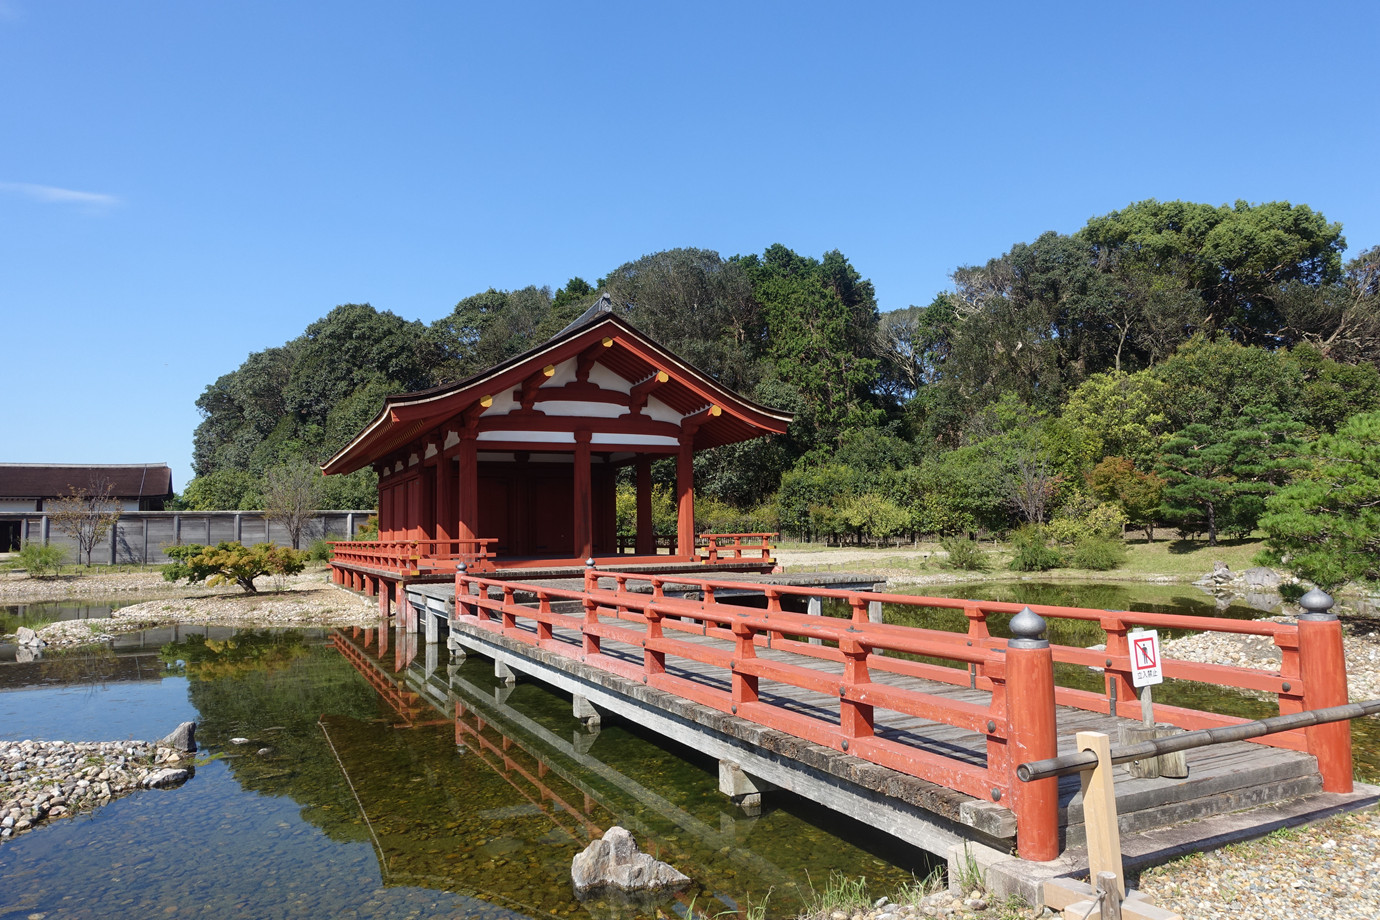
{"x": 850, "y": 658}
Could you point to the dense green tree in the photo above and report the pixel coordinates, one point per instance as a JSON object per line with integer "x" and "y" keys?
{"x": 698, "y": 305}
{"x": 1237, "y": 258}
{"x": 226, "y": 489}
{"x": 820, "y": 323}
{"x": 1115, "y": 479}
{"x": 1340, "y": 320}
{"x": 1221, "y": 479}
{"x": 1326, "y": 524}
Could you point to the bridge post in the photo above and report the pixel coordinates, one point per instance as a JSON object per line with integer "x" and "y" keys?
{"x": 584, "y": 710}
{"x": 1030, "y": 735}
{"x": 1322, "y": 665}
{"x": 745, "y": 791}
{"x": 815, "y": 607}
{"x": 590, "y": 642}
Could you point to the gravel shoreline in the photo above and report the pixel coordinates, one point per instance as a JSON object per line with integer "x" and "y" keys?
{"x": 44, "y": 780}
{"x": 303, "y": 600}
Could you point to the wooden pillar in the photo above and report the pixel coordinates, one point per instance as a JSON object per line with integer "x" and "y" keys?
{"x": 583, "y": 531}
{"x": 445, "y": 500}
{"x": 685, "y": 497}
{"x": 413, "y": 526}
{"x": 467, "y": 488}
{"x": 385, "y": 512}
{"x": 646, "y": 533}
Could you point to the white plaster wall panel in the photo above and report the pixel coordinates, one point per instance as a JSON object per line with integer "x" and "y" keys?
{"x": 662, "y": 412}
{"x": 533, "y": 437}
{"x": 586, "y": 409}
{"x": 606, "y": 379}
{"x": 651, "y": 440}
{"x": 503, "y": 402}
{"x": 565, "y": 373}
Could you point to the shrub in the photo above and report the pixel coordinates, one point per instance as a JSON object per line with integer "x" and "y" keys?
{"x": 227, "y": 563}
{"x": 369, "y": 530}
{"x": 42, "y": 561}
{"x": 965, "y": 554}
{"x": 319, "y": 551}
{"x": 1099, "y": 554}
{"x": 1032, "y": 550}
{"x": 1084, "y": 516}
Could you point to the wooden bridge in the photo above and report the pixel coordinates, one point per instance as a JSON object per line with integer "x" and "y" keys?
{"x": 916, "y": 731}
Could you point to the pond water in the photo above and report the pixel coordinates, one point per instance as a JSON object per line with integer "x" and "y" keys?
{"x": 13, "y": 616}
{"x": 364, "y": 792}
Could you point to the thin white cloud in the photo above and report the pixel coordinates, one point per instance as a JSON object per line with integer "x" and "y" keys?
{"x": 49, "y": 194}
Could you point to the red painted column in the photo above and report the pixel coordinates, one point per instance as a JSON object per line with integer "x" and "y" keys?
{"x": 583, "y": 532}
{"x": 1030, "y": 735}
{"x": 1322, "y": 665}
{"x": 385, "y": 512}
{"x": 646, "y": 534}
{"x": 414, "y": 509}
{"x": 445, "y": 501}
{"x": 685, "y": 498}
{"x": 467, "y": 488}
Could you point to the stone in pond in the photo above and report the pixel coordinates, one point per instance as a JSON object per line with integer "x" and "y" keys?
{"x": 162, "y": 779}
{"x": 182, "y": 738}
{"x": 616, "y": 862}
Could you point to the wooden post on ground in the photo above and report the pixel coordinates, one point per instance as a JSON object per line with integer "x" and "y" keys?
{"x": 1099, "y": 813}
{"x": 1109, "y": 887}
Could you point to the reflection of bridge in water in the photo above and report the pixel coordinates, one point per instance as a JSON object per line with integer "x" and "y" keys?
{"x": 556, "y": 779}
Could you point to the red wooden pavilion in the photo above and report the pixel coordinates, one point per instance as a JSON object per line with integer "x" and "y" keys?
{"x": 515, "y": 467}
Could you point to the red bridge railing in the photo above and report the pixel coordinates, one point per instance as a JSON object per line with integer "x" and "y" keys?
{"x": 736, "y": 547}
{"x": 416, "y": 557}
{"x": 853, "y": 656}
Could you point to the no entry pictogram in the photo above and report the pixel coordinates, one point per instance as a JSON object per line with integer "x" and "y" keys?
{"x": 1145, "y": 658}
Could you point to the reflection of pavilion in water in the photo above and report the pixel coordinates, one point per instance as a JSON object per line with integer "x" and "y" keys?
{"x": 555, "y": 779}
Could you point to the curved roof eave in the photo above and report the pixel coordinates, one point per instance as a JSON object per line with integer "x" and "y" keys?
{"x": 357, "y": 453}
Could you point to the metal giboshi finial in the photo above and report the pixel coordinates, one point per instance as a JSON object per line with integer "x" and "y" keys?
{"x": 589, "y": 563}
{"x": 1028, "y": 630}
{"x": 1318, "y": 604}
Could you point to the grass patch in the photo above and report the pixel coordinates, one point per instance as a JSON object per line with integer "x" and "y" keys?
{"x": 1172, "y": 560}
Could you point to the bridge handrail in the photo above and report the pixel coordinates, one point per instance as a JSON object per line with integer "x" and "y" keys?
{"x": 1068, "y": 764}
{"x": 1312, "y": 672}
{"x": 1010, "y": 720}
{"x": 1115, "y": 661}
{"x": 411, "y": 557}
{"x": 743, "y": 545}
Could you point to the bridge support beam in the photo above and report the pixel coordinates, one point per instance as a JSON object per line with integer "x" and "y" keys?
{"x": 745, "y": 791}
{"x": 503, "y": 672}
{"x": 584, "y": 711}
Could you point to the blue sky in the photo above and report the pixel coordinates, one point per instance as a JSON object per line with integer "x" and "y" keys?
{"x": 182, "y": 184}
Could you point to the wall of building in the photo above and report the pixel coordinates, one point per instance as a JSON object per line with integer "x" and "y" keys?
{"x": 140, "y": 536}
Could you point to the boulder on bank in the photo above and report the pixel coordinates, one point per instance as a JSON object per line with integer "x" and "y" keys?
{"x": 616, "y": 862}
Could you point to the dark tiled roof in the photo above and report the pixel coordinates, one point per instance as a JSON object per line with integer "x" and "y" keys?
{"x": 48, "y": 480}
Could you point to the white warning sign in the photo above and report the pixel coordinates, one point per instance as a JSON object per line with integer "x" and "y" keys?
{"x": 1145, "y": 658}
